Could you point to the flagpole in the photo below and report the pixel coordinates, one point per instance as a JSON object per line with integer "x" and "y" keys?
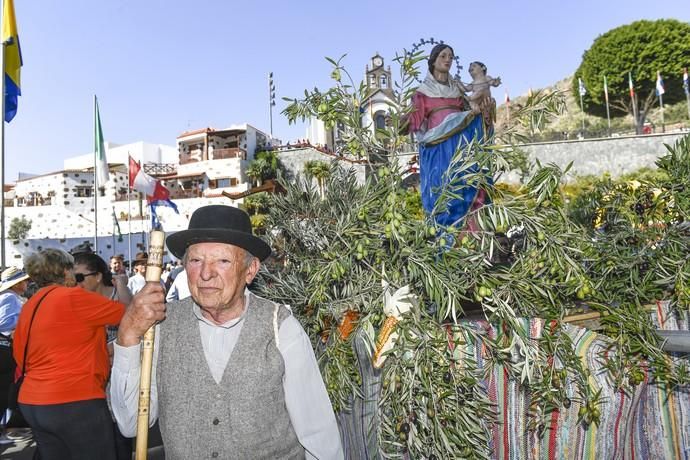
{"x": 582, "y": 108}
{"x": 686, "y": 88}
{"x": 113, "y": 230}
{"x": 606, "y": 96}
{"x": 95, "y": 177}
{"x": 660, "y": 92}
{"x": 129, "y": 214}
{"x": 632, "y": 101}
{"x": 507, "y": 100}
{"x": 661, "y": 104}
{"x": 2, "y": 156}
{"x": 581, "y": 90}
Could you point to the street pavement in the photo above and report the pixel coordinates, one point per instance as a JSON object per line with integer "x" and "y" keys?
{"x": 23, "y": 446}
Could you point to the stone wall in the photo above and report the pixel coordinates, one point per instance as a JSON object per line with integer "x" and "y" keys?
{"x": 613, "y": 155}
{"x": 294, "y": 160}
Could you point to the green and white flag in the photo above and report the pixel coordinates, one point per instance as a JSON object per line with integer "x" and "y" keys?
{"x": 100, "y": 162}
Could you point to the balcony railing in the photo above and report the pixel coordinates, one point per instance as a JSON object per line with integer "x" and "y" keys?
{"x": 235, "y": 152}
{"x": 160, "y": 169}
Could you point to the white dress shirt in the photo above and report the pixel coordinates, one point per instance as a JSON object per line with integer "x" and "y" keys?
{"x": 306, "y": 398}
{"x": 136, "y": 283}
{"x": 179, "y": 289}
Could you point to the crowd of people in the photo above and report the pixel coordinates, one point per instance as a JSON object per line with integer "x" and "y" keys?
{"x": 234, "y": 375}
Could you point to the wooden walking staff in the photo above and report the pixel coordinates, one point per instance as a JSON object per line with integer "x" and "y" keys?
{"x": 154, "y": 268}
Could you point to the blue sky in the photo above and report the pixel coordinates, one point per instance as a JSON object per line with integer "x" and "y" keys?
{"x": 160, "y": 67}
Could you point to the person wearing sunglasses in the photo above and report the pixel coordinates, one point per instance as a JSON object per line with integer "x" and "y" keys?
{"x": 60, "y": 343}
{"x": 93, "y": 274}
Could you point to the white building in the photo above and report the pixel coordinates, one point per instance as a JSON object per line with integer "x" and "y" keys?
{"x": 62, "y": 208}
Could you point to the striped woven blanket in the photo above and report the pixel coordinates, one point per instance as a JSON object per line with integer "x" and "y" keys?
{"x": 647, "y": 422}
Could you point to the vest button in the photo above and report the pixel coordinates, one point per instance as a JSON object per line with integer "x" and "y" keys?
{"x": 216, "y": 421}
{"x": 214, "y": 454}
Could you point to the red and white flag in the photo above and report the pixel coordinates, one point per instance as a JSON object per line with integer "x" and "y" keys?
{"x": 156, "y": 193}
{"x": 142, "y": 182}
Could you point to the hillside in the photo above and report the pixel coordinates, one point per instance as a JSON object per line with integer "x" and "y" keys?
{"x": 570, "y": 122}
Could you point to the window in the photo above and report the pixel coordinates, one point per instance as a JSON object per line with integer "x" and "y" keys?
{"x": 384, "y": 81}
{"x": 380, "y": 120}
{"x": 226, "y": 182}
{"x": 372, "y": 80}
{"x": 84, "y": 191}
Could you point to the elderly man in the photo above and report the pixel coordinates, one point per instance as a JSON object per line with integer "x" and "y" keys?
{"x": 235, "y": 375}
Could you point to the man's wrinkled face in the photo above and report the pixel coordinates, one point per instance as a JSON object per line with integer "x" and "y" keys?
{"x": 217, "y": 275}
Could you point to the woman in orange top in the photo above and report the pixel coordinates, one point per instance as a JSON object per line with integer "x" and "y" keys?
{"x": 93, "y": 274}
{"x": 67, "y": 365}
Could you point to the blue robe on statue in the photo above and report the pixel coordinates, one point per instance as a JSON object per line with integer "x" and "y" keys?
{"x": 442, "y": 126}
{"x": 435, "y": 172}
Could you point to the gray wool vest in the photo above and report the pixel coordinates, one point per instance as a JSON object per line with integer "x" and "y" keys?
{"x": 243, "y": 417}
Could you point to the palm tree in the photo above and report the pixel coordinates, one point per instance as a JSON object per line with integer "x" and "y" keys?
{"x": 272, "y": 162}
{"x": 256, "y": 170}
{"x": 320, "y": 171}
{"x": 257, "y": 204}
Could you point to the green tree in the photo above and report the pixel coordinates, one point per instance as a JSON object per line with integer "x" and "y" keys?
{"x": 257, "y": 203}
{"x": 639, "y": 49}
{"x": 320, "y": 171}
{"x": 257, "y": 170}
{"x": 273, "y": 164}
{"x": 19, "y": 228}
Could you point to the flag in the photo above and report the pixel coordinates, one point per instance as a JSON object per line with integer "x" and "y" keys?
{"x": 116, "y": 223}
{"x": 606, "y": 90}
{"x": 630, "y": 85}
{"x": 659, "y": 84}
{"x": 581, "y": 87}
{"x": 13, "y": 60}
{"x": 101, "y": 163}
{"x": 156, "y": 193}
{"x": 686, "y": 85}
{"x": 507, "y": 100}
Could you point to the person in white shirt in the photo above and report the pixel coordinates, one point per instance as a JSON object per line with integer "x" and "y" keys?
{"x": 179, "y": 289}
{"x": 14, "y": 283}
{"x": 137, "y": 281}
{"x": 234, "y": 375}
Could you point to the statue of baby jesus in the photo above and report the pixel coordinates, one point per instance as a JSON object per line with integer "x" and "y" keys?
{"x": 481, "y": 93}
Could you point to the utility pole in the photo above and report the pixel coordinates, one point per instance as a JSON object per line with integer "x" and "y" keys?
{"x": 271, "y": 100}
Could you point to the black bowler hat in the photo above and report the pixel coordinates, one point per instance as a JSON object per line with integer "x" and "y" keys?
{"x": 218, "y": 224}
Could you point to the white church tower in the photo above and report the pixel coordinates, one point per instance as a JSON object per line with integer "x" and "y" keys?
{"x": 374, "y": 108}
{"x": 378, "y": 104}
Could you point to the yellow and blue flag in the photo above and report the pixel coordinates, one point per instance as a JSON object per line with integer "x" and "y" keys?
{"x": 13, "y": 60}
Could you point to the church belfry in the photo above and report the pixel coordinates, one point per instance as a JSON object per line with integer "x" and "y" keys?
{"x": 378, "y": 77}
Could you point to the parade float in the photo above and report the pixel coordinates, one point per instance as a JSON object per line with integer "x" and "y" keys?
{"x": 535, "y": 334}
